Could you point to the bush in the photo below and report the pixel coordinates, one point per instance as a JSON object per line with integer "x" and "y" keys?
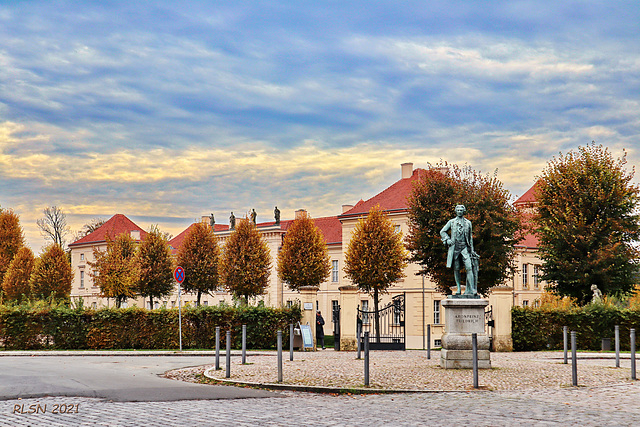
{"x": 42, "y": 326}
{"x": 535, "y": 329}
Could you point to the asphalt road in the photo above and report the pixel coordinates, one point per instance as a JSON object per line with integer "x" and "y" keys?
{"x": 117, "y": 378}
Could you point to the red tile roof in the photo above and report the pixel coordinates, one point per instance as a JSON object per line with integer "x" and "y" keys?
{"x": 526, "y": 202}
{"x": 176, "y": 242}
{"x": 116, "y": 225}
{"x": 529, "y": 197}
{"x": 393, "y": 198}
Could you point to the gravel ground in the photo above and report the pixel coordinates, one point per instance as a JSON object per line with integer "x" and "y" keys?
{"x": 411, "y": 370}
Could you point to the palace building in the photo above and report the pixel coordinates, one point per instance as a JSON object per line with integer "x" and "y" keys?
{"x": 422, "y": 300}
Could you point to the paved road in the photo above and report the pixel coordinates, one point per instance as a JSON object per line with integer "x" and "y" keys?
{"x": 120, "y": 382}
{"x": 117, "y": 378}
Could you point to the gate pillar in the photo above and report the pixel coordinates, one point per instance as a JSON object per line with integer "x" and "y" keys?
{"x": 348, "y": 316}
{"x": 501, "y": 300}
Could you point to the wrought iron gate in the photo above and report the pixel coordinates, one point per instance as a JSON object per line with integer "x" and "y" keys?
{"x": 392, "y": 330}
{"x": 336, "y": 327}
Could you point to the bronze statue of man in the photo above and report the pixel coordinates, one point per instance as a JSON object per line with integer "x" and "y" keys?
{"x": 253, "y": 215}
{"x": 232, "y": 221}
{"x": 460, "y": 244}
{"x": 212, "y": 220}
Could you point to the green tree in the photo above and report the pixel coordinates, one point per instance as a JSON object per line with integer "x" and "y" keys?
{"x": 304, "y": 257}
{"x": 52, "y": 275}
{"x": 114, "y": 270}
{"x": 16, "y": 285}
{"x": 11, "y": 238}
{"x": 245, "y": 262}
{"x": 375, "y": 257}
{"x": 154, "y": 267}
{"x": 199, "y": 255}
{"x": 587, "y": 223}
{"x": 497, "y": 226}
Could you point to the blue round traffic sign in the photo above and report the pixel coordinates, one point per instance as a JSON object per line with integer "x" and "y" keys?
{"x": 178, "y": 274}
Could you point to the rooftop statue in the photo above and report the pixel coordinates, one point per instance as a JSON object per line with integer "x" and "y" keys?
{"x": 232, "y": 221}
{"x": 276, "y": 214}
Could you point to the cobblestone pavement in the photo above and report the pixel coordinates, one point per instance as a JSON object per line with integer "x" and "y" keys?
{"x": 586, "y": 406}
{"x": 525, "y": 388}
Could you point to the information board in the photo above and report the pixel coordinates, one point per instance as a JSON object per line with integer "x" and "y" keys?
{"x": 307, "y": 338}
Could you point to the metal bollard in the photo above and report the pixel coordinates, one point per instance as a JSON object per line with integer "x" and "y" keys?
{"x": 617, "y": 333}
{"x": 633, "y": 353}
{"x": 474, "y": 347}
{"x": 279, "y": 356}
{"x": 366, "y": 359}
{"x": 291, "y": 342}
{"x": 574, "y": 365}
{"x": 565, "y": 330}
{"x": 217, "y": 348}
{"x": 358, "y": 333}
{"x": 428, "y": 341}
{"x": 244, "y": 344}
{"x": 228, "y": 373}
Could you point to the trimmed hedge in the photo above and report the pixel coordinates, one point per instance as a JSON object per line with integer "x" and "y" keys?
{"x": 535, "y": 329}
{"x": 61, "y": 328}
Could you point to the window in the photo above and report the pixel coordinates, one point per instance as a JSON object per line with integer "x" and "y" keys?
{"x": 156, "y": 305}
{"x": 525, "y": 303}
{"x": 397, "y": 311}
{"x": 334, "y": 271}
{"x": 81, "y": 279}
{"x": 81, "y": 257}
{"x": 525, "y": 276}
{"x": 289, "y": 303}
{"x": 397, "y": 228}
{"x": 124, "y": 304}
{"x": 437, "y": 343}
{"x": 205, "y": 303}
{"x": 173, "y": 304}
{"x": 536, "y": 303}
{"x": 365, "y": 307}
{"x": 536, "y": 276}
{"x": 436, "y": 312}
{"x": 94, "y": 305}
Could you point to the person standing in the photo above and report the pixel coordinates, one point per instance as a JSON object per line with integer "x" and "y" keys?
{"x": 319, "y": 330}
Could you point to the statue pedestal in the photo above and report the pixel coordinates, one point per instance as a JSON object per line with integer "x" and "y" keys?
{"x": 462, "y": 318}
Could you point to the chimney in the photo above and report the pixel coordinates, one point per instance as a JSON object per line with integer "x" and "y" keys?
{"x": 407, "y": 170}
{"x": 346, "y": 208}
{"x": 299, "y": 213}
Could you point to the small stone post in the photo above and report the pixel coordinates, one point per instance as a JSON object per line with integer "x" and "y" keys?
{"x": 574, "y": 360}
{"x": 632, "y": 333}
{"x": 429, "y": 341}
{"x": 291, "y": 342}
{"x": 348, "y": 315}
{"x": 565, "y": 330}
{"x": 366, "y": 359}
{"x": 244, "y": 344}
{"x": 279, "y": 355}
{"x": 228, "y": 372}
{"x": 617, "y": 337}
{"x": 474, "y": 341}
{"x": 217, "y": 348}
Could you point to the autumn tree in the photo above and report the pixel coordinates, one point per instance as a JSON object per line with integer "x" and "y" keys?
{"x": 52, "y": 275}
{"x": 154, "y": 267}
{"x": 114, "y": 269}
{"x": 497, "y": 226}
{"x": 16, "y": 285}
{"x": 245, "y": 262}
{"x": 11, "y": 238}
{"x": 587, "y": 223}
{"x": 304, "y": 257}
{"x": 199, "y": 255}
{"x": 375, "y": 257}
{"x": 53, "y": 225}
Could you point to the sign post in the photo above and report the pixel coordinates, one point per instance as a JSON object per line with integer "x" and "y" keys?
{"x": 178, "y": 274}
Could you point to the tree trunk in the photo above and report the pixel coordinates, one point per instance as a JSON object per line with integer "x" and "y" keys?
{"x": 198, "y": 299}
{"x": 150, "y": 303}
{"x": 377, "y": 315}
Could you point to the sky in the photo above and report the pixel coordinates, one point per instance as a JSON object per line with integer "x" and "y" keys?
{"x": 168, "y": 111}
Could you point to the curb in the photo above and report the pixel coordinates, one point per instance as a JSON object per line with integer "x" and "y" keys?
{"x": 325, "y": 390}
